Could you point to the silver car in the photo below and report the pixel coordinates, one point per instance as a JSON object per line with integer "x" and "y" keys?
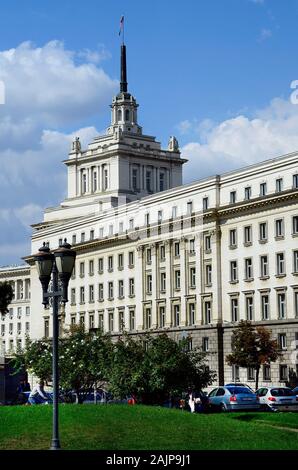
{"x": 233, "y": 398}
{"x": 277, "y": 398}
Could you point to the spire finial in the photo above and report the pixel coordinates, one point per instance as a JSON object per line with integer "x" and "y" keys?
{"x": 123, "y": 81}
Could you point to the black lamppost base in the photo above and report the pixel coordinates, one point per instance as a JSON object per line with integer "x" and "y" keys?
{"x": 55, "y": 445}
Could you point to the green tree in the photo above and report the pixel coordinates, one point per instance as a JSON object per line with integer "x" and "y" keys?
{"x": 6, "y": 295}
{"x": 83, "y": 360}
{"x": 252, "y": 347}
{"x": 153, "y": 374}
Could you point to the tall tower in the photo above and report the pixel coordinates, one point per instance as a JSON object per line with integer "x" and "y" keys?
{"x": 124, "y": 105}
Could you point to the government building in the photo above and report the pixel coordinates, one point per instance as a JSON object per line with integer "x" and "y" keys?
{"x": 154, "y": 255}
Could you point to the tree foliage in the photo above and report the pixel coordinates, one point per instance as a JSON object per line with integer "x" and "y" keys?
{"x": 6, "y": 295}
{"x": 252, "y": 347}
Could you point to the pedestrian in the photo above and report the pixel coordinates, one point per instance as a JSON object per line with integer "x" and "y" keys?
{"x": 38, "y": 394}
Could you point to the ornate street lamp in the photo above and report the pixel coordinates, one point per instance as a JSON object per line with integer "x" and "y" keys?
{"x": 57, "y": 264}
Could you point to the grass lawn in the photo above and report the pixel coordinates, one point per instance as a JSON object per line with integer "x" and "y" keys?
{"x": 122, "y": 427}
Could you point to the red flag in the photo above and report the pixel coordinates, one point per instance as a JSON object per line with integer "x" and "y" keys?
{"x": 121, "y": 24}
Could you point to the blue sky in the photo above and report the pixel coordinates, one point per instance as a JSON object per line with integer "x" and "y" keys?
{"x": 215, "y": 73}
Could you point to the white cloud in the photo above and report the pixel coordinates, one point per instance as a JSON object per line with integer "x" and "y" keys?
{"x": 242, "y": 140}
{"x": 265, "y": 34}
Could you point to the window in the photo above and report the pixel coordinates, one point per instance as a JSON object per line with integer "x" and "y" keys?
{"x": 84, "y": 183}
{"x": 295, "y": 225}
{"x": 111, "y": 230}
{"x": 19, "y": 312}
{"x": 247, "y": 193}
{"x": 265, "y": 306}
{"x": 120, "y": 288}
{"x": 280, "y": 264}
{"x": 148, "y": 318}
{"x": 120, "y": 261}
{"x": 281, "y": 305}
{"x": 149, "y": 284}
{"x": 235, "y": 373}
{"x": 131, "y": 287}
{"x": 163, "y": 285}
{"x": 162, "y": 252}
{"x": 263, "y": 232}
{"x": 295, "y": 261}
{"x": 263, "y": 189}
{"x": 248, "y": 269}
{"x": 82, "y": 295}
{"x": 234, "y": 310}
{"x": 192, "y": 249}
{"x": 247, "y": 235}
{"x": 91, "y": 294}
{"x": 177, "y": 279}
{"x": 205, "y": 203}
{"x": 207, "y": 312}
{"x": 296, "y": 303}
{"x": 100, "y": 265}
{"x": 159, "y": 216}
{"x": 82, "y": 237}
{"x": 82, "y": 269}
{"x": 94, "y": 180}
{"x": 127, "y": 115}
{"x": 264, "y": 266}
{"x": 279, "y": 228}
{"x": 189, "y": 208}
{"x": 147, "y": 219}
{"x": 148, "y": 255}
{"x": 131, "y": 224}
{"x": 121, "y": 320}
{"x": 91, "y": 234}
{"x": 162, "y": 182}
{"x": 208, "y": 274}
{"x": 283, "y": 373}
{"x": 10, "y": 328}
{"x": 249, "y": 304}
{"x": 134, "y": 179}
{"x": 121, "y": 227}
{"x": 131, "y": 259}
{"x": 110, "y": 290}
{"x": 74, "y": 240}
{"x": 110, "y": 263}
{"x": 27, "y": 327}
{"x": 91, "y": 267}
{"x": 27, "y": 311}
{"x": 282, "y": 341}
{"x": 100, "y": 321}
{"x": 295, "y": 181}
{"x": 91, "y": 321}
{"x": 46, "y": 328}
{"x": 192, "y": 277}
{"x": 73, "y": 296}
{"x": 101, "y": 232}
{"x": 111, "y": 321}
{"x": 73, "y": 320}
{"x": 266, "y": 373}
{"x": 2, "y": 330}
{"x": 205, "y": 344}
{"x": 207, "y": 243}
{"x": 176, "y": 249}
{"x": 191, "y": 314}
{"x": 132, "y": 323}
{"x": 105, "y": 179}
{"x": 250, "y": 373}
{"x": 162, "y": 317}
{"x": 279, "y": 185}
{"x": 233, "y": 271}
{"x": 174, "y": 212}
{"x": 233, "y": 238}
{"x": 148, "y": 181}
{"x": 176, "y": 319}
{"x": 233, "y": 197}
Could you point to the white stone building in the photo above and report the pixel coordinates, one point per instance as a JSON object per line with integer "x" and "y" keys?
{"x": 154, "y": 255}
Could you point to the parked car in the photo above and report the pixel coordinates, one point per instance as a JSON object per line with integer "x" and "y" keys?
{"x": 230, "y": 398}
{"x": 295, "y": 390}
{"x": 277, "y": 398}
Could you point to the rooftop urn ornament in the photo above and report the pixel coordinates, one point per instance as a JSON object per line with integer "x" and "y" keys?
{"x": 76, "y": 145}
{"x": 173, "y": 145}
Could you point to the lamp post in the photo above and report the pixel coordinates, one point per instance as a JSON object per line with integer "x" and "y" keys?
{"x": 57, "y": 264}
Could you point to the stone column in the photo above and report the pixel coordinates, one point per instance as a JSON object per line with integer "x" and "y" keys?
{"x": 155, "y": 277}
{"x": 183, "y": 279}
{"x": 139, "y": 287}
{"x": 169, "y": 290}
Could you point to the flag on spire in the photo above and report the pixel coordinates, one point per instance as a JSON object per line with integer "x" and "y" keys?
{"x": 121, "y": 25}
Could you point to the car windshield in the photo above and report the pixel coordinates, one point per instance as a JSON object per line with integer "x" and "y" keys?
{"x": 282, "y": 392}
{"x": 238, "y": 390}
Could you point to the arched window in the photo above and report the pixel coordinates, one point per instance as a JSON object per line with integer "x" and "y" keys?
{"x": 119, "y": 115}
{"x": 127, "y": 115}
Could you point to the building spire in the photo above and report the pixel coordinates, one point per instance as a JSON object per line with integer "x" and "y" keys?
{"x": 123, "y": 80}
